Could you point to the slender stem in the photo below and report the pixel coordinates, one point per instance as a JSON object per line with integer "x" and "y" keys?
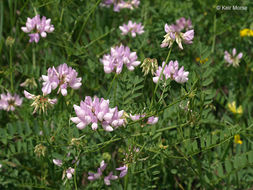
{"x": 86, "y": 20}
{"x": 11, "y": 68}
{"x": 75, "y": 170}
{"x": 214, "y": 32}
{"x": 164, "y": 88}
{"x": 115, "y": 76}
{"x": 166, "y": 61}
{"x": 34, "y": 58}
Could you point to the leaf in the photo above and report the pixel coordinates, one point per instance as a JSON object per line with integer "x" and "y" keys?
{"x": 207, "y": 81}
{"x": 228, "y": 166}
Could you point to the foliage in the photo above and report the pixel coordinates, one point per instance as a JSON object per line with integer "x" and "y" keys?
{"x": 191, "y": 147}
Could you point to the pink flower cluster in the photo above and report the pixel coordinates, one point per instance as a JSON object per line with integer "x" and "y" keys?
{"x": 233, "y": 59}
{"x": 132, "y": 27}
{"x": 119, "y": 56}
{"x": 121, "y": 4}
{"x": 171, "y": 71}
{"x": 9, "y": 102}
{"x": 174, "y": 33}
{"x": 151, "y": 120}
{"x": 63, "y": 76}
{"x": 108, "y": 178}
{"x": 182, "y": 24}
{"x": 37, "y": 27}
{"x": 97, "y": 111}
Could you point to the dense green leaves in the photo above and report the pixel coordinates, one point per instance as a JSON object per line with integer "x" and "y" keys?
{"x": 193, "y": 144}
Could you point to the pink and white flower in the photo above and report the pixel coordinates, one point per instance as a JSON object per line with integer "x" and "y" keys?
{"x": 123, "y": 171}
{"x": 97, "y": 111}
{"x": 151, "y": 120}
{"x": 233, "y": 59}
{"x": 57, "y": 162}
{"x": 9, "y": 102}
{"x": 62, "y": 77}
{"x": 132, "y": 27}
{"x": 119, "y": 56}
{"x": 171, "y": 71}
{"x": 37, "y": 27}
{"x": 110, "y": 177}
{"x": 70, "y": 171}
{"x": 174, "y": 33}
{"x": 121, "y": 4}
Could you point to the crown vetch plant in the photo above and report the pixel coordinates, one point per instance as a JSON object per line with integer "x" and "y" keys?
{"x": 147, "y": 131}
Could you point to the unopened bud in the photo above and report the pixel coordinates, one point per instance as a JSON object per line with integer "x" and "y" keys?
{"x": 9, "y": 41}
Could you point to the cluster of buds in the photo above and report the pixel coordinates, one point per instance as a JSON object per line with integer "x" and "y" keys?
{"x": 29, "y": 83}
{"x": 37, "y": 27}
{"x": 121, "y": 4}
{"x": 132, "y": 27}
{"x": 9, "y": 102}
{"x": 233, "y": 59}
{"x": 171, "y": 71}
{"x": 40, "y": 102}
{"x": 174, "y": 33}
{"x": 151, "y": 120}
{"x": 107, "y": 179}
{"x": 119, "y": 56}
{"x": 129, "y": 155}
{"x": 40, "y": 150}
{"x": 62, "y": 76}
{"x": 96, "y": 111}
{"x": 149, "y": 65}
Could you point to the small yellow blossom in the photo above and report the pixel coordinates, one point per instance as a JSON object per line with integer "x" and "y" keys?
{"x": 161, "y": 146}
{"x": 202, "y": 61}
{"x": 246, "y": 32}
{"x": 237, "y": 139}
{"x": 233, "y": 109}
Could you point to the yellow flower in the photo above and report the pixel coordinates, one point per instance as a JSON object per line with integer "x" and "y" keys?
{"x": 161, "y": 146}
{"x": 233, "y": 109}
{"x": 202, "y": 61}
{"x": 237, "y": 139}
{"x": 246, "y": 32}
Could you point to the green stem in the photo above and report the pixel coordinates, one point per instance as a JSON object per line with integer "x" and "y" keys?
{"x": 75, "y": 170}
{"x": 164, "y": 88}
{"x": 108, "y": 92}
{"x": 214, "y": 32}
{"x": 34, "y": 58}
{"x": 11, "y": 68}
{"x": 86, "y": 20}
{"x": 166, "y": 61}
